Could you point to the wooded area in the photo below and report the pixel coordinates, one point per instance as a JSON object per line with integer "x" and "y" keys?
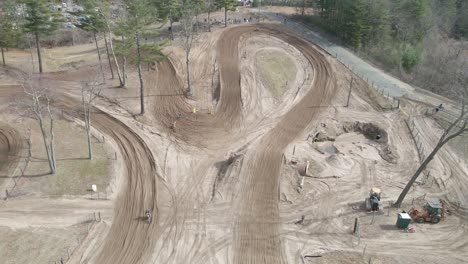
{"x": 420, "y": 41}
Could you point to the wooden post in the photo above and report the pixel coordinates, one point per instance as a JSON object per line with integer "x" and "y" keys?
{"x": 294, "y": 150}
{"x": 364, "y": 251}
{"x": 99, "y": 214}
{"x": 94, "y": 214}
{"x": 398, "y": 106}
{"x": 355, "y": 225}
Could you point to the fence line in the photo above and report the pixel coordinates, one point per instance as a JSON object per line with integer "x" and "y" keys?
{"x": 18, "y": 173}
{"x": 415, "y": 135}
{"x": 89, "y": 221}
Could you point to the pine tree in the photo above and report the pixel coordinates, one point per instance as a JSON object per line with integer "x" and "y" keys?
{"x": 228, "y": 5}
{"x": 140, "y": 14}
{"x": 40, "y": 21}
{"x": 92, "y": 21}
{"x": 9, "y": 30}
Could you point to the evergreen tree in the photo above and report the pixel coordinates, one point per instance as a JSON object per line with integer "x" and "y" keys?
{"x": 228, "y": 5}
{"x": 40, "y": 21}
{"x": 9, "y": 30}
{"x": 140, "y": 13}
{"x": 168, "y": 10}
{"x": 92, "y": 21}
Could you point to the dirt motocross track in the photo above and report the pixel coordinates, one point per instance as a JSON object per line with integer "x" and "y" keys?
{"x": 217, "y": 179}
{"x": 256, "y": 230}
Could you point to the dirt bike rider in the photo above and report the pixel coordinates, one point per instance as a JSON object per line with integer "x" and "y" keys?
{"x": 148, "y": 215}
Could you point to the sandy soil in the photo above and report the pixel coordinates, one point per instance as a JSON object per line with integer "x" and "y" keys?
{"x": 224, "y": 172}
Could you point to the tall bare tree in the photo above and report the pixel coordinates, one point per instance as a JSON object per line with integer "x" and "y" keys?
{"x": 107, "y": 21}
{"x": 188, "y": 35}
{"x": 90, "y": 90}
{"x": 40, "y": 108}
{"x": 454, "y": 129}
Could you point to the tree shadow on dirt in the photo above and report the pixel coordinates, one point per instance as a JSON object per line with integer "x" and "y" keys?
{"x": 26, "y": 176}
{"x": 141, "y": 218}
{"x": 389, "y": 227}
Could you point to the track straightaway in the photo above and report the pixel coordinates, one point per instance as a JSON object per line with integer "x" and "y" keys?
{"x": 257, "y": 230}
{"x": 128, "y": 240}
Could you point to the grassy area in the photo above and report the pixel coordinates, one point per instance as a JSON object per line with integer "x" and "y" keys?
{"x": 38, "y": 245}
{"x": 276, "y": 70}
{"x": 75, "y": 172}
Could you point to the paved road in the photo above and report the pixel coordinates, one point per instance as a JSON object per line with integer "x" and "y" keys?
{"x": 390, "y": 84}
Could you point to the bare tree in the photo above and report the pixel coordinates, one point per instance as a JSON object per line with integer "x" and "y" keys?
{"x": 454, "y": 129}
{"x": 90, "y": 90}
{"x": 40, "y": 108}
{"x": 108, "y": 56}
{"x": 111, "y": 46}
{"x": 210, "y": 6}
{"x": 188, "y": 34}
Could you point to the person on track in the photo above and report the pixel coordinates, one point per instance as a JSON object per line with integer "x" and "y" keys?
{"x": 148, "y": 215}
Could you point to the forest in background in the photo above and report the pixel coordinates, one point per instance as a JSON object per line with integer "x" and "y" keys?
{"x": 423, "y": 42}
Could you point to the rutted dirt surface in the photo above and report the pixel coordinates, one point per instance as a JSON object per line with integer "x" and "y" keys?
{"x": 10, "y": 146}
{"x": 219, "y": 176}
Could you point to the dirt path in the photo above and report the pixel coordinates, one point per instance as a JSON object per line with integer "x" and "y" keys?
{"x": 10, "y": 145}
{"x": 256, "y": 229}
{"x": 126, "y": 241}
{"x": 257, "y": 237}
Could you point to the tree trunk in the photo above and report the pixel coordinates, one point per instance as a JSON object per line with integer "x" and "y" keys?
{"x": 115, "y": 60}
{"x": 46, "y": 145}
{"x": 170, "y": 25}
{"x": 225, "y": 16}
{"x": 124, "y": 71}
{"x": 87, "y": 124}
{"x": 416, "y": 174}
{"x": 108, "y": 57}
{"x": 209, "y": 22}
{"x": 39, "y": 55}
{"x": 142, "y": 92}
{"x": 196, "y": 20}
{"x": 189, "y": 87}
{"x": 3, "y": 57}
{"x": 88, "y": 133}
{"x": 99, "y": 56}
{"x": 52, "y": 145}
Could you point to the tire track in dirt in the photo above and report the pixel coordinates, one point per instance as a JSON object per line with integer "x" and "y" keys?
{"x": 256, "y": 235}
{"x": 10, "y": 146}
{"x": 128, "y": 238}
{"x": 170, "y": 106}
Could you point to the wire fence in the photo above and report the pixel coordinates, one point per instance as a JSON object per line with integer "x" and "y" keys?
{"x": 87, "y": 223}
{"x": 417, "y": 139}
{"x": 12, "y": 189}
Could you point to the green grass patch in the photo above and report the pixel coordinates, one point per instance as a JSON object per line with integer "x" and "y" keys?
{"x": 74, "y": 172}
{"x": 276, "y": 70}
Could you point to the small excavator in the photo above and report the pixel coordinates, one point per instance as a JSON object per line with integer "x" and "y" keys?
{"x": 372, "y": 203}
